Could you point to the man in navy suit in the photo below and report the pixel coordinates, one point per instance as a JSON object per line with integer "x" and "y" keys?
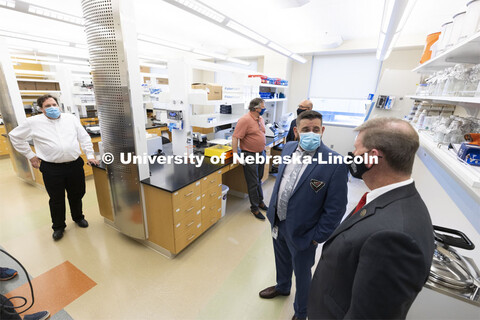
{"x": 378, "y": 259}
{"x": 307, "y": 204}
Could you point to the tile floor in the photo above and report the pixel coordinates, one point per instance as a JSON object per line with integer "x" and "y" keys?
{"x": 217, "y": 277}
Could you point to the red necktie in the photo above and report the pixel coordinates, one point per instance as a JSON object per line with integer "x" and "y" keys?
{"x": 361, "y": 203}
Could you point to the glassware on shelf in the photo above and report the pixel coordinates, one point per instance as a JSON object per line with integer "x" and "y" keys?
{"x": 444, "y": 37}
{"x": 471, "y": 23}
{"x": 422, "y": 89}
{"x": 472, "y": 82}
{"x": 458, "y": 21}
{"x": 440, "y": 82}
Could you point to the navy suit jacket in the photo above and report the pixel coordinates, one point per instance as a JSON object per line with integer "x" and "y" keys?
{"x": 313, "y": 212}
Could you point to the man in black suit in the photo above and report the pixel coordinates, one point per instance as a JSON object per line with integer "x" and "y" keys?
{"x": 305, "y": 105}
{"x": 375, "y": 263}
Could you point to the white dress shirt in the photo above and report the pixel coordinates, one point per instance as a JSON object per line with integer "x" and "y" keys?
{"x": 55, "y": 140}
{"x": 372, "y": 195}
{"x": 289, "y": 169}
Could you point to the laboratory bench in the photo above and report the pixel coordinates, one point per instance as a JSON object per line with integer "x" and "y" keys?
{"x": 182, "y": 201}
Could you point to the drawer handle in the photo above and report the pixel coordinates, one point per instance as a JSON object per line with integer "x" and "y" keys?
{"x": 212, "y": 181}
{"x": 213, "y": 194}
{"x": 188, "y": 210}
{"x": 188, "y": 225}
{"x": 189, "y": 194}
{"x": 213, "y": 208}
{"x": 191, "y": 237}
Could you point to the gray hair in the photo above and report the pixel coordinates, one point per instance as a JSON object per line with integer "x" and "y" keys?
{"x": 396, "y": 138}
{"x": 255, "y": 103}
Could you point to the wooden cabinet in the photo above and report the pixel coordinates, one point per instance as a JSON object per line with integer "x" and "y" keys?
{"x": 4, "y": 145}
{"x": 211, "y": 199}
{"x": 176, "y": 219}
{"x": 158, "y": 131}
{"x": 88, "y": 121}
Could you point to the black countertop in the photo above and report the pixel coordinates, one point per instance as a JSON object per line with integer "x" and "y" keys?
{"x": 173, "y": 177}
{"x": 148, "y": 125}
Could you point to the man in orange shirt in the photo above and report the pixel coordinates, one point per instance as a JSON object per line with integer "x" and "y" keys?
{"x": 250, "y": 131}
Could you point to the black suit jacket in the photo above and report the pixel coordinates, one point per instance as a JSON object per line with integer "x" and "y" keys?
{"x": 375, "y": 263}
{"x": 291, "y": 134}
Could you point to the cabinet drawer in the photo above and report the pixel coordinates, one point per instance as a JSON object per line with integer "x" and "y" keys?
{"x": 188, "y": 237}
{"x": 188, "y": 224}
{"x": 212, "y": 208}
{"x": 211, "y": 195}
{"x": 211, "y": 181}
{"x": 188, "y": 193}
{"x": 210, "y": 217}
{"x": 187, "y": 210}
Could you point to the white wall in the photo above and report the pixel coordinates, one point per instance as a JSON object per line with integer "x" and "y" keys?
{"x": 298, "y": 86}
{"x": 339, "y": 138}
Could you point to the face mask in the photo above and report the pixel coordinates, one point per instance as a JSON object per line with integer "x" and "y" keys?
{"x": 300, "y": 111}
{"x": 53, "y": 112}
{"x": 357, "y": 170}
{"x": 310, "y": 141}
{"x": 262, "y": 111}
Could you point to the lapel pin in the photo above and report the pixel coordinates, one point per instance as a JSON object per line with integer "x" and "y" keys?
{"x": 363, "y": 212}
{"x": 316, "y": 185}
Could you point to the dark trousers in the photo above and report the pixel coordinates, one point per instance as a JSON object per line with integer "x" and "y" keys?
{"x": 289, "y": 259}
{"x": 61, "y": 177}
{"x": 253, "y": 176}
{"x": 7, "y": 306}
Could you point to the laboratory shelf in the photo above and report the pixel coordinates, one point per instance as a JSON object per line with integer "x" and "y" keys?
{"x": 466, "y": 174}
{"x": 271, "y": 85}
{"x": 213, "y": 119}
{"x": 275, "y": 100}
{"x": 466, "y": 51}
{"x": 462, "y": 101}
{"x": 37, "y": 92}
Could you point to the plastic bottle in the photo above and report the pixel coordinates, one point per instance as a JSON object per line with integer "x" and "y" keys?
{"x": 421, "y": 119}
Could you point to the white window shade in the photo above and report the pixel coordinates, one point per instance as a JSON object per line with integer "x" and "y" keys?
{"x": 348, "y": 76}
{"x": 341, "y": 84}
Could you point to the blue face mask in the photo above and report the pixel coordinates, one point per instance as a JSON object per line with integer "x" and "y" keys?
{"x": 310, "y": 141}
{"x": 262, "y": 111}
{"x": 52, "y": 112}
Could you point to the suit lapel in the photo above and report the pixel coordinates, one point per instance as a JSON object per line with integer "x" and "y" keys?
{"x": 371, "y": 207}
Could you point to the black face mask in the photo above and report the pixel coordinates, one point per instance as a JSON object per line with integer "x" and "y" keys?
{"x": 357, "y": 170}
{"x": 300, "y": 111}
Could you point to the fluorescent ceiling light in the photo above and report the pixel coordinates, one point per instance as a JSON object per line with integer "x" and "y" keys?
{"x": 246, "y": 32}
{"x": 235, "y": 60}
{"x": 279, "y": 48}
{"x": 298, "y": 58}
{"x": 25, "y": 7}
{"x": 7, "y": 3}
{"x": 395, "y": 15}
{"x": 210, "y": 54}
{"x": 199, "y": 8}
{"x": 162, "y": 42}
{"x": 206, "y": 12}
{"x": 22, "y": 36}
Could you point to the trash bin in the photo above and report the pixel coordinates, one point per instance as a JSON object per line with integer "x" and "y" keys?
{"x": 224, "y": 199}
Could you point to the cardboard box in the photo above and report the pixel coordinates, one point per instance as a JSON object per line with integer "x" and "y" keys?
{"x": 26, "y": 85}
{"x": 214, "y": 91}
{"x": 48, "y": 86}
